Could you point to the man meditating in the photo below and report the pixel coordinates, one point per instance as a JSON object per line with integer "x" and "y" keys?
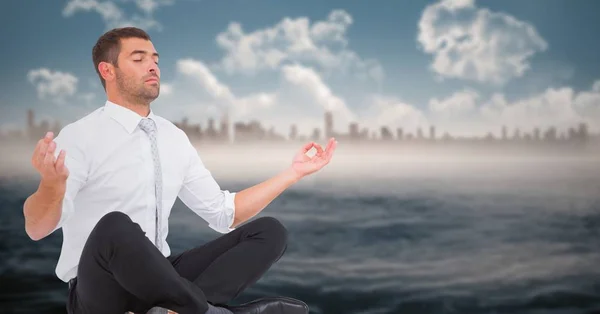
{"x": 110, "y": 179}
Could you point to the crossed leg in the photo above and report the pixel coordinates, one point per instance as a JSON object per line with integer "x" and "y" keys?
{"x": 226, "y": 266}
{"x": 121, "y": 270}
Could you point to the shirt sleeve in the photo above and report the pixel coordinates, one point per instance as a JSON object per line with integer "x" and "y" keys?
{"x": 203, "y": 195}
{"x": 72, "y": 142}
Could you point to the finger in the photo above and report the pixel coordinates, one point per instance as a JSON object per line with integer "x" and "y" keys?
{"x": 60, "y": 162}
{"x": 328, "y": 148}
{"x": 319, "y": 149}
{"x": 307, "y": 147}
{"x": 35, "y": 158}
{"x": 329, "y": 143}
{"x": 49, "y": 158}
{"x": 44, "y": 144}
{"x": 331, "y": 148}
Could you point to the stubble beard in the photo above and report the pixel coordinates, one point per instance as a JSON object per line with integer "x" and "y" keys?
{"x": 136, "y": 93}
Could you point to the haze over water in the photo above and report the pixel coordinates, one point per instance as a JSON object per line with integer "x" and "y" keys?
{"x": 398, "y": 229}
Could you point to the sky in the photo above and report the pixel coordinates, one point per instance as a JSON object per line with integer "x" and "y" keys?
{"x": 466, "y": 67}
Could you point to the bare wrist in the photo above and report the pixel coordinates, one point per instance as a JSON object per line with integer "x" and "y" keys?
{"x": 293, "y": 174}
{"x": 52, "y": 188}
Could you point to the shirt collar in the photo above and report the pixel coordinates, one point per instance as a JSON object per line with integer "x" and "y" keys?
{"x": 128, "y": 118}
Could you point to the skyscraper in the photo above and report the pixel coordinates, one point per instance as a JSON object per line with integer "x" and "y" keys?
{"x": 225, "y": 127}
{"x": 328, "y": 124}
{"x": 293, "y": 132}
{"x": 353, "y": 130}
{"x": 31, "y": 131}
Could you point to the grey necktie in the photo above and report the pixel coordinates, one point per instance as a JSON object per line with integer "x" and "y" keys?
{"x": 148, "y": 126}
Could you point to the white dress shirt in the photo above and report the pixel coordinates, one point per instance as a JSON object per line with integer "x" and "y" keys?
{"x": 111, "y": 169}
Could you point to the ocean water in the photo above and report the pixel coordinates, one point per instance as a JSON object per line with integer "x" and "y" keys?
{"x": 507, "y": 237}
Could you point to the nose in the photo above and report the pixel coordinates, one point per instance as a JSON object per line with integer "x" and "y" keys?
{"x": 153, "y": 68}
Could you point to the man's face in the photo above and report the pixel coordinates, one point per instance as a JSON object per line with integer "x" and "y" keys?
{"x": 137, "y": 74}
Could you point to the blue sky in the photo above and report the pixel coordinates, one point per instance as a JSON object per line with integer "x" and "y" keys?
{"x": 478, "y": 65}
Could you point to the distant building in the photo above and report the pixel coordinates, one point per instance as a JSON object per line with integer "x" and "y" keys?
{"x": 251, "y": 131}
{"x": 419, "y": 134}
{"x": 517, "y": 135}
{"x": 386, "y": 134}
{"x": 399, "y": 134}
{"x": 328, "y": 124}
{"x": 354, "y": 131}
{"x": 224, "y": 133}
{"x": 583, "y": 131}
{"x": 211, "y": 131}
{"x": 34, "y": 131}
{"x": 536, "y": 134}
{"x": 293, "y": 132}
{"x": 550, "y": 134}
{"x": 316, "y": 134}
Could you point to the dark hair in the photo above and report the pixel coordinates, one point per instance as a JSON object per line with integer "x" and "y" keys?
{"x": 108, "y": 46}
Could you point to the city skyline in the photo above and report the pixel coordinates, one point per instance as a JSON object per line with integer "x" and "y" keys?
{"x": 240, "y": 131}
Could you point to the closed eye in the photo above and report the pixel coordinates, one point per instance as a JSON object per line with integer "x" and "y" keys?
{"x": 141, "y": 61}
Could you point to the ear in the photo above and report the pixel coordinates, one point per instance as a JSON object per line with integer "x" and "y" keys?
{"x": 107, "y": 71}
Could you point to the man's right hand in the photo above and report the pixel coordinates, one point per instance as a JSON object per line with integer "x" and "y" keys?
{"x": 43, "y": 209}
{"x": 53, "y": 171}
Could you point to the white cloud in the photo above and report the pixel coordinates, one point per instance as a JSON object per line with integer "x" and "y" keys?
{"x": 465, "y": 113}
{"x": 477, "y": 44}
{"x": 459, "y": 102}
{"x": 52, "y": 85}
{"x": 149, "y": 6}
{"x": 313, "y": 84}
{"x": 457, "y": 114}
{"x": 240, "y": 106}
{"x": 202, "y": 74}
{"x": 87, "y": 99}
{"x": 108, "y": 10}
{"x": 166, "y": 89}
{"x": 393, "y": 113}
{"x": 322, "y": 44}
{"x": 552, "y": 108}
{"x": 278, "y": 109}
{"x": 62, "y": 89}
{"x": 251, "y": 102}
{"x": 462, "y": 113}
{"x": 114, "y": 15}
{"x": 587, "y": 104}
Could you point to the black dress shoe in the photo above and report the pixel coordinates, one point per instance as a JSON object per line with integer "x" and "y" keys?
{"x": 271, "y": 305}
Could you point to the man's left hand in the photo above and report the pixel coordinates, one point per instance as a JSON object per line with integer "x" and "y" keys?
{"x": 304, "y": 165}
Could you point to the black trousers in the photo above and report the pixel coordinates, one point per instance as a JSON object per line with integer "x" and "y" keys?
{"x": 120, "y": 270}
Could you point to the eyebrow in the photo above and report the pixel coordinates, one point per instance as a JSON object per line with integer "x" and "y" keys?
{"x": 143, "y": 52}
